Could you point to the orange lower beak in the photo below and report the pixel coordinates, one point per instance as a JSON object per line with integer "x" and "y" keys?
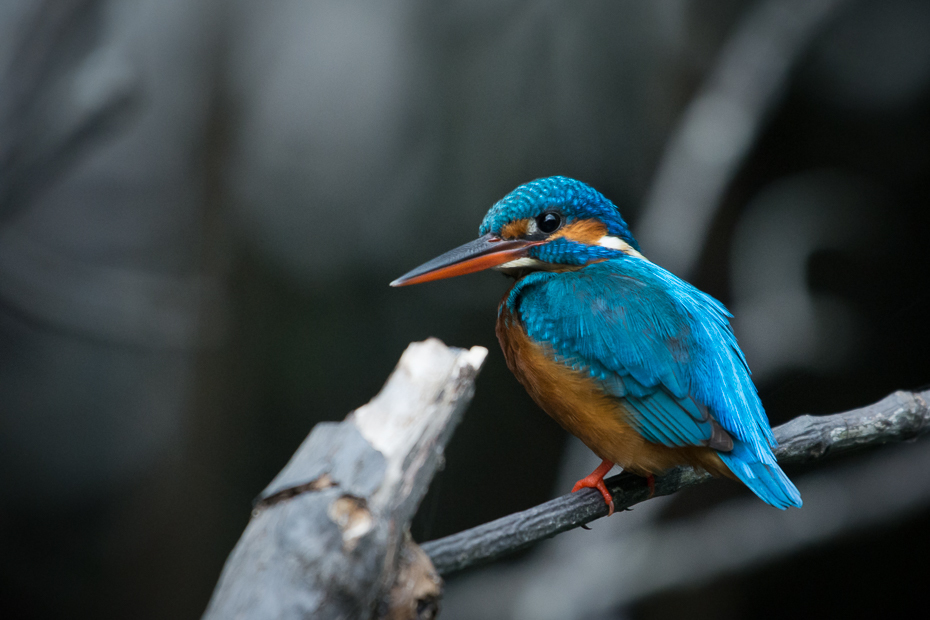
{"x": 482, "y": 253}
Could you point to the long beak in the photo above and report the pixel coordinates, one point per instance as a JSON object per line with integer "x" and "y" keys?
{"x": 482, "y": 253}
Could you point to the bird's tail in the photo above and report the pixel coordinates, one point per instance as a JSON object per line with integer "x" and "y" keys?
{"x": 766, "y": 480}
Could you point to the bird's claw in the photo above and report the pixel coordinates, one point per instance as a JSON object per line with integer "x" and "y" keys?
{"x": 595, "y": 480}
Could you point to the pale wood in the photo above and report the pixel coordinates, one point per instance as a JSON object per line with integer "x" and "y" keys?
{"x": 328, "y": 537}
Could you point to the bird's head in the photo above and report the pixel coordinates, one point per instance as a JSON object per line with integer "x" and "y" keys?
{"x": 551, "y": 224}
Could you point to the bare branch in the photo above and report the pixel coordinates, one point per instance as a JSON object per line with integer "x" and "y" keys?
{"x": 902, "y": 416}
{"x": 47, "y": 118}
{"x": 328, "y": 538}
{"x": 722, "y": 123}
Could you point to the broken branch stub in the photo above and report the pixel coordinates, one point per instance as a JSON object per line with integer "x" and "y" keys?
{"x": 328, "y": 537}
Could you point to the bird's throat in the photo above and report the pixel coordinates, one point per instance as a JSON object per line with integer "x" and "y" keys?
{"x": 526, "y": 265}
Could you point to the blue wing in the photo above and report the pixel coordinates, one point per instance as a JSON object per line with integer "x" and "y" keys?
{"x": 663, "y": 346}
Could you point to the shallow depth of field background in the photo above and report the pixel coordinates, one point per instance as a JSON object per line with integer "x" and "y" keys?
{"x": 202, "y": 203}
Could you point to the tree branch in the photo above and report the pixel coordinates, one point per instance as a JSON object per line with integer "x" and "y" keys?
{"x": 47, "y": 118}
{"x": 329, "y": 536}
{"x": 721, "y": 124}
{"x": 902, "y": 416}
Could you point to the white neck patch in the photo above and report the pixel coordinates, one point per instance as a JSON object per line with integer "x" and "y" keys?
{"x": 616, "y": 243}
{"x": 523, "y": 263}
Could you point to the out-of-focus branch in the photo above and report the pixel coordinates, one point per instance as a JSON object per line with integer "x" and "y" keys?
{"x": 329, "y": 536}
{"x": 899, "y": 417}
{"x": 57, "y": 96}
{"x": 721, "y": 124}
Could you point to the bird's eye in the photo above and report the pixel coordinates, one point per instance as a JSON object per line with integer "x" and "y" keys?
{"x": 548, "y": 222}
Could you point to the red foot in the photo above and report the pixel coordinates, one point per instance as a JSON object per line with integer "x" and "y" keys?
{"x": 595, "y": 480}
{"x": 651, "y": 482}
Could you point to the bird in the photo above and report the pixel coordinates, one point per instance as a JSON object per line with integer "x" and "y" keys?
{"x": 641, "y": 366}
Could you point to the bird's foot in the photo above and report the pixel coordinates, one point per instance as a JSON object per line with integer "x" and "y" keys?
{"x": 651, "y": 483}
{"x": 595, "y": 480}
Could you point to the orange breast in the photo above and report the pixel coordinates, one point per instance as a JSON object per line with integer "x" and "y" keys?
{"x": 574, "y": 400}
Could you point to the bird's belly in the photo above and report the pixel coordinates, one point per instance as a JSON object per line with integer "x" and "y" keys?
{"x": 574, "y": 400}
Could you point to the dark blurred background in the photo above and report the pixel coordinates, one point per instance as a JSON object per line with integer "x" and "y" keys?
{"x": 202, "y": 203}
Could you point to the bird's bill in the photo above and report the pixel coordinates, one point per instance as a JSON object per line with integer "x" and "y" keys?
{"x": 482, "y": 253}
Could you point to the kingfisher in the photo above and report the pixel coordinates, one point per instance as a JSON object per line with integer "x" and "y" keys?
{"x": 639, "y": 365}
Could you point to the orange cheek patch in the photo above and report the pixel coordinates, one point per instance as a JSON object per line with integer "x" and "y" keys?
{"x": 515, "y": 230}
{"x": 583, "y": 231}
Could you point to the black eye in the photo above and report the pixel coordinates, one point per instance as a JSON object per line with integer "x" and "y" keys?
{"x": 548, "y": 222}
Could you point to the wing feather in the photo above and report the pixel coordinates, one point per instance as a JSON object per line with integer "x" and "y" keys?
{"x": 654, "y": 341}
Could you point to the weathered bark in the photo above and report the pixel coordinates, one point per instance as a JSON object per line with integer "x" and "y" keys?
{"x": 328, "y": 537}
{"x": 902, "y": 416}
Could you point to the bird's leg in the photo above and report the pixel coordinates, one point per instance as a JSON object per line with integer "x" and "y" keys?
{"x": 595, "y": 480}
{"x": 651, "y": 483}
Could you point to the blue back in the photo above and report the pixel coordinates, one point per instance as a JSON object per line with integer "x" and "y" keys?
{"x": 637, "y": 328}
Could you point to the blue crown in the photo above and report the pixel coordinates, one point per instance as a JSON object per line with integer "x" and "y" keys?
{"x": 574, "y": 199}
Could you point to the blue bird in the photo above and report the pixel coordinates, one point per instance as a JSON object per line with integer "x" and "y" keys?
{"x": 638, "y": 364}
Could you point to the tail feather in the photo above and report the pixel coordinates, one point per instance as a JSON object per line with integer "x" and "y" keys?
{"x": 767, "y": 481}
